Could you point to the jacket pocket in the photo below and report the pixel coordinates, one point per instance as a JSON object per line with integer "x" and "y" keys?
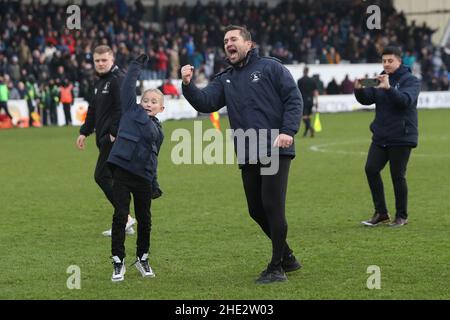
{"x": 125, "y": 145}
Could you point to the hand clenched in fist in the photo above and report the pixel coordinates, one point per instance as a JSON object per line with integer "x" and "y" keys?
{"x": 143, "y": 58}
{"x": 187, "y": 72}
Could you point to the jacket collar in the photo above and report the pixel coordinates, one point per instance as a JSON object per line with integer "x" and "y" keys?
{"x": 113, "y": 69}
{"x": 155, "y": 120}
{"x": 399, "y": 72}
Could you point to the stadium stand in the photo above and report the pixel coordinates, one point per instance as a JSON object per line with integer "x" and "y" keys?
{"x": 36, "y": 47}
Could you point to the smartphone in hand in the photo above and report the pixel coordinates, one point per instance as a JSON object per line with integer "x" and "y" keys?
{"x": 370, "y": 82}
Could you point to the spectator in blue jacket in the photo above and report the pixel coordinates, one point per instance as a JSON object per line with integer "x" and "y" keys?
{"x": 395, "y": 133}
{"x": 133, "y": 160}
{"x": 260, "y": 94}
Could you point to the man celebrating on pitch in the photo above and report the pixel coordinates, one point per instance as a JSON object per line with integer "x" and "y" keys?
{"x": 260, "y": 94}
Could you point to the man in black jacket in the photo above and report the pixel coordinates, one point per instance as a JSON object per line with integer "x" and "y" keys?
{"x": 260, "y": 94}
{"x": 395, "y": 133}
{"x": 103, "y": 116}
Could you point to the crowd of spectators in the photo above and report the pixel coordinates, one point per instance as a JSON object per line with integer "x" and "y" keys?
{"x": 37, "y": 47}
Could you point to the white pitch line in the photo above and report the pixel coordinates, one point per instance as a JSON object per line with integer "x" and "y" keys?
{"x": 324, "y": 148}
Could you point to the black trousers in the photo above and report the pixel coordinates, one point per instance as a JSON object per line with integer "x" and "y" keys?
{"x": 4, "y": 106}
{"x": 67, "y": 115}
{"x": 103, "y": 175}
{"x": 53, "y": 116}
{"x": 125, "y": 184}
{"x": 398, "y": 160}
{"x": 266, "y": 198}
{"x": 45, "y": 114}
{"x": 30, "y": 111}
{"x": 48, "y": 115}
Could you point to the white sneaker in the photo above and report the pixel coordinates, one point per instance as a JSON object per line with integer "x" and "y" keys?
{"x": 108, "y": 233}
{"x": 143, "y": 266}
{"x": 119, "y": 269}
{"x": 130, "y": 223}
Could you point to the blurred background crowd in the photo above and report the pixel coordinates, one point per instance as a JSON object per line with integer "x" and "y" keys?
{"x": 39, "y": 55}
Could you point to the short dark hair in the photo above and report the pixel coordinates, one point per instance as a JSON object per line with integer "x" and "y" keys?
{"x": 396, "y": 51}
{"x": 243, "y": 31}
{"x": 103, "y": 49}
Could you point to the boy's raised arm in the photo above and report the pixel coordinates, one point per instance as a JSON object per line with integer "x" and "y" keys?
{"x": 128, "y": 89}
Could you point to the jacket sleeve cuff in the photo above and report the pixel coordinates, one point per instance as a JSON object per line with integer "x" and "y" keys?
{"x": 186, "y": 86}
{"x": 187, "y": 89}
{"x": 84, "y": 132}
{"x": 289, "y": 132}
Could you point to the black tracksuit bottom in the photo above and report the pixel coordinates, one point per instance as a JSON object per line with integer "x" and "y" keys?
{"x": 125, "y": 184}
{"x": 266, "y": 198}
{"x": 398, "y": 160}
{"x": 103, "y": 175}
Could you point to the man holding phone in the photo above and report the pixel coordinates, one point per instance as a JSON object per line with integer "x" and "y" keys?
{"x": 395, "y": 132}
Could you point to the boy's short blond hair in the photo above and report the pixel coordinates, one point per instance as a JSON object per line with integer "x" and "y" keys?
{"x": 158, "y": 92}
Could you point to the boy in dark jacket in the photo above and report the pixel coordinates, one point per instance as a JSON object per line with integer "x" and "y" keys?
{"x": 133, "y": 160}
{"x": 395, "y": 133}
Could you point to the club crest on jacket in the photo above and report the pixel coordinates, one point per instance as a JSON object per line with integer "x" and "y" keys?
{"x": 106, "y": 88}
{"x": 255, "y": 76}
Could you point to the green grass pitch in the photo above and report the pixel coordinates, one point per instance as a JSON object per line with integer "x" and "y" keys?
{"x": 204, "y": 244}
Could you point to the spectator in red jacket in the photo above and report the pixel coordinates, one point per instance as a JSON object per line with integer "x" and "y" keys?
{"x": 162, "y": 62}
{"x": 168, "y": 88}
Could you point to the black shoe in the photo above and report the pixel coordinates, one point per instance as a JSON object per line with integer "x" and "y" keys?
{"x": 290, "y": 263}
{"x": 271, "y": 275}
{"x": 377, "y": 219}
{"x": 398, "y": 222}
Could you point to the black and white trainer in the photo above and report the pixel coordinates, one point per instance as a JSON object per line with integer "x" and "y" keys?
{"x": 143, "y": 266}
{"x": 119, "y": 269}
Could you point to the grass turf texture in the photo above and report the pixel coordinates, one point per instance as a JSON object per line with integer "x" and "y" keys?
{"x": 204, "y": 244}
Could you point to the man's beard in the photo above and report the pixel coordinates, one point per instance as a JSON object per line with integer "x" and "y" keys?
{"x": 239, "y": 62}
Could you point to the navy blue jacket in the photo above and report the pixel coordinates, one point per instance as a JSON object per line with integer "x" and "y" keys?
{"x": 395, "y": 122}
{"x": 259, "y": 95}
{"x": 139, "y": 137}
